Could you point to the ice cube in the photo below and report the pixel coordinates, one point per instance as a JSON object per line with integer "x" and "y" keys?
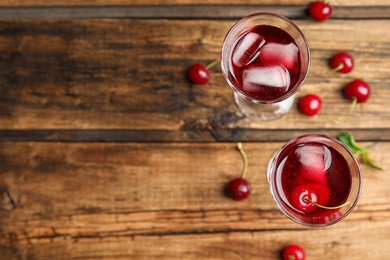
{"x": 255, "y": 78}
{"x": 247, "y": 49}
{"x": 314, "y": 162}
{"x": 275, "y": 53}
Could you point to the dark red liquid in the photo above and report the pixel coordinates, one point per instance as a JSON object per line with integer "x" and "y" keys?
{"x": 319, "y": 167}
{"x": 266, "y": 62}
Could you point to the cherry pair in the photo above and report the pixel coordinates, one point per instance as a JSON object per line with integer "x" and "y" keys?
{"x": 357, "y": 90}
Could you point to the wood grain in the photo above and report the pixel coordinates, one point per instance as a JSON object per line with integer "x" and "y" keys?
{"x": 188, "y": 11}
{"x": 129, "y": 74}
{"x": 140, "y": 201}
{"x": 182, "y": 2}
{"x": 107, "y": 151}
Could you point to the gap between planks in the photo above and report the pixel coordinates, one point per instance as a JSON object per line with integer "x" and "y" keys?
{"x": 189, "y": 135}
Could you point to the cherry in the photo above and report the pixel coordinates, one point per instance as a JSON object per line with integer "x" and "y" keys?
{"x": 342, "y": 62}
{"x": 306, "y": 198}
{"x": 357, "y": 89}
{"x": 293, "y": 252}
{"x": 198, "y": 74}
{"x": 298, "y": 195}
{"x": 320, "y": 10}
{"x": 310, "y": 104}
{"x": 239, "y": 188}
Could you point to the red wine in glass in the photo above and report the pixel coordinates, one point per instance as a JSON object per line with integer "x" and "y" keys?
{"x": 265, "y": 62}
{"x": 315, "y": 180}
{"x": 265, "y": 59}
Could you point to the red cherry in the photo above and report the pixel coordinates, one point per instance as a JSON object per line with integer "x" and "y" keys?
{"x": 320, "y": 11}
{"x": 359, "y": 92}
{"x": 358, "y": 89}
{"x": 310, "y": 104}
{"x": 293, "y": 252}
{"x": 298, "y": 195}
{"x": 342, "y": 62}
{"x": 198, "y": 74}
{"x": 238, "y": 189}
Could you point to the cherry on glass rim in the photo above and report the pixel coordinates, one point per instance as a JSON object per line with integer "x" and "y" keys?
{"x": 310, "y": 104}
{"x": 293, "y": 252}
{"x": 320, "y": 10}
{"x": 342, "y": 62}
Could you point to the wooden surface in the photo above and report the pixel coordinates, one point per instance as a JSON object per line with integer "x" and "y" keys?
{"x": 107, "y": 151}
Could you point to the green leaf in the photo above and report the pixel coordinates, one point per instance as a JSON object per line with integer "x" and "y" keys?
{"x": 348, "y": 140}
{"x": 367, "y": 160}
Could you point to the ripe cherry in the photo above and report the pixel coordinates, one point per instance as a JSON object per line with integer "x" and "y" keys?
{"x": 359, "y": 92}
{"x": 293, "y": 252}
{"x": 198, "y": 74}
{"x": 358, "y": 89}
{"x": 298, "y": 201}
{"x": 342, "y": 62}
{"x": 238, "y": 189}
{"x": 310, "y": 104}
{"x": 320, "y": 10}
{"x": 306, "y": 198}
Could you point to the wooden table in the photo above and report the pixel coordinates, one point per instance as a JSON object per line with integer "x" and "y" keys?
{"x": 107, "y": 151}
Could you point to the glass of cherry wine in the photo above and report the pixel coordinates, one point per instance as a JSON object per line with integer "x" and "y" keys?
{"x": 265, "y": 59}
{"x": 315, "y": 180}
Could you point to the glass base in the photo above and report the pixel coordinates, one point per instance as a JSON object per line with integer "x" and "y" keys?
{"x": 264, "y": 111}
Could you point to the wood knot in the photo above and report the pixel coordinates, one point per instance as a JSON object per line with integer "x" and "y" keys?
{"x": 6, "y": 201}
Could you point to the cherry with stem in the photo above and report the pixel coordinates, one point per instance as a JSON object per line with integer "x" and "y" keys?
{"x": 342, "y": 62}
{"x": 358, "y": 91}
{"x": 239, "y": 188}
{"x": 200, "y": 74}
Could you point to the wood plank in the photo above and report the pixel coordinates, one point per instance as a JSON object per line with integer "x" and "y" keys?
{"x": 182, "y": 2}
{"x": 188, "y": 11}
{"x": 235, "y": 245}
{"x": 140, "y": 201}
{"x": 100, "y": 73}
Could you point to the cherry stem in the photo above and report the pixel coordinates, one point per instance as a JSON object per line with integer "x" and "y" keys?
{"x": 243, "y": 154}
{"x": 341, "y": 66}
{"x": 353, "y": 105}
{"x": 306, "y": 199}
{"x": 212, "y": 64}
